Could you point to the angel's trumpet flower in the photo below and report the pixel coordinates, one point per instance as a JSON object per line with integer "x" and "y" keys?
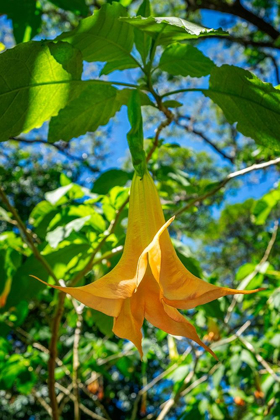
{"x": 149, "y": 281}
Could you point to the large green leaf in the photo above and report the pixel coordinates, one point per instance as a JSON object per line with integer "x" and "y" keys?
{"x": 25, "y": 15}
{"x": 36, "y": 80}
{"x": 94, "y": 107}
{"x": 185, "y": 60}
{"x": 170, "y": 29}
{"x": 245, "y": 99}
{"x": 78, "y": 7}
{"x": 102, "y": 37}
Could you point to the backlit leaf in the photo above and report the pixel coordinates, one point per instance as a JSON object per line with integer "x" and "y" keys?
{"x": 36, "y": 80}
{"x": 185, "y": 60}
{"x": 102, "y": 37}
{"x": 245, "y": 99}
{"x": 94, "y": 107}
{"x": 170, "y": 29}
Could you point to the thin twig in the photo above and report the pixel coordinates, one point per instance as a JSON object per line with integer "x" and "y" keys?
{"x": 233, "y": 337}
{"x": 59, "y": 148}
{"x": 155, "y": 144}
{"x": 77, "y": 334}
{"x": 82, "y": 407}
{"x": 96, "y": 401}
{"x": 191, "y": 129}
{"x": 260, "y": 359}
{"x": 222, "y": 183}
{"x": 257, "y": 269}
{"x": 41, "y": 401}
{"x": 200, "y": 380}
{"x": 173, "y": 400}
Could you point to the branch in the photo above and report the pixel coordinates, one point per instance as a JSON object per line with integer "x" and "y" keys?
{"x": 276, "y": 68}
{"x": 58, "y": 147}
{"x": 59, "y": 311}
{"x": 237, "y": 9}
{"x": 190, "y": 129}
{"x": 162, "y": 125}
{"x": 200, "y": 380}
{"x": 41, "y": 401}
{"x": 26, "y": 235}
{"x": 158, "y": 378}
{"x": 82, "y": 407}
{"x": 246, "y": 42}
{"x": 172, "y": 401}
{"x": 222, "y": 183}
{"x": 260, "y": 359}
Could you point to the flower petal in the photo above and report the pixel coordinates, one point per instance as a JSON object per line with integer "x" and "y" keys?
{"x": 183, "y": 290}
{"x": 179, "y": 287}
{"x": 130, "y": 320}
{"x": 163, "y": 316}
{"x": 186, "y": 328}
{"x": 111, "y": 307}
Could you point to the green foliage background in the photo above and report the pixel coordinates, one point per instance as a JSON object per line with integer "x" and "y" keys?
{"x": 58, "y": 179}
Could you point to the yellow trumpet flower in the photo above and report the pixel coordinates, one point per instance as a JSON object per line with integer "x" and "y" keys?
{"x": 149, "y": 281}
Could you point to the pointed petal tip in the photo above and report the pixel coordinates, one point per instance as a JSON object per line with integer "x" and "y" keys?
{"x": 47, "y": 284}
{"x": 249, "y": 292}
{"x": 215, "y": 356}
{"x": 37, "y": 278}
{"x": 208, "y": 349}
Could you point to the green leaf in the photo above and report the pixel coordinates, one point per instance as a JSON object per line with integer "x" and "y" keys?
{"x": 102, "y": 37}
{"x": 41, "y": 216}
{"x": 248, "y": 358}
{"x": 110, "y": 179}
{"x": 214, "y": 310}
{"x": 172, "y": 104}
{"x": 170, "y": 29}
{"x": 245, "y": 99}
{"x": 135, "y": 136}
{"x": 185, "y": 255}
{"x": 103, "y": 322}
{"x": 125, "y": 94}
{"x": 142, "y": 40}
{"x": 71, "y": 213}
{"x": 244, "y": 271}
{"x": 265, "y": 205}
{"x": 36, "y": 80}
{"x": 78, "y": 7}
{"x": 62, "y": 232}
{"x": 185, "y": 60}
{"x": 26, "y": 17}
{"x": 53, "y": 197}
{"x": 125, "y": 63}
{"x": 94, "y": 107}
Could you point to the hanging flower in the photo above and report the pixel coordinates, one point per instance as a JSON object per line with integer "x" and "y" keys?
{"x": 149, "y": 281}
